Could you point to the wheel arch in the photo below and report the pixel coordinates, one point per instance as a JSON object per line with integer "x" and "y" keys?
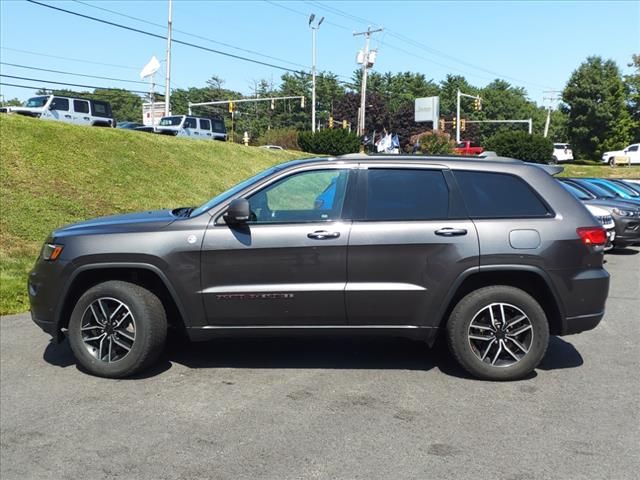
{"x": 525, "y": 277}
{"x": 146, "y": 275}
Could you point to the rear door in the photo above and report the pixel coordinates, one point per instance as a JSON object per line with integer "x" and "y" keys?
{"x": 409, "y": 242}
{"x": 190, "y": 127}
{"x": 205, "y": 128}
{"x": 81, "y": 115}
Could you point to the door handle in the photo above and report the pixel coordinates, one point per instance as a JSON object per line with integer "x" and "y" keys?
{"x": 86, "y": 118}
{"x": 323, "y": 235}
{"x": 67, "y": 116}
{"x": 451, "y": 232}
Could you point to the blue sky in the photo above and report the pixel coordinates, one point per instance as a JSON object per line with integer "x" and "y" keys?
{"x": 533, "y": 44}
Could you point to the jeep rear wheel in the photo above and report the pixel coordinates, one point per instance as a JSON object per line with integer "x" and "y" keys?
{"x": 117, "y": 329}
{"x": 498, "y": 333}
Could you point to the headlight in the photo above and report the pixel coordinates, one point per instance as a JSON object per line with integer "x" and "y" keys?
{"x": 51, "y": 252}
{"x": 623, "y": 213}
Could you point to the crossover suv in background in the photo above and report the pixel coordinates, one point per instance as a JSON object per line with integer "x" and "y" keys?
{"x": 492, "y": 253}
{"x": 80, "y": 111}
{"x": 193, "y": 127}
{"x": 632, "y": 152}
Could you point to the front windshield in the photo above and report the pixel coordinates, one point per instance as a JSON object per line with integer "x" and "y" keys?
{"x": 36, "y": 102}
{"x": 232, "y": 191}
{"x": 170, "y": 121}
{"x": 579, "y": 194}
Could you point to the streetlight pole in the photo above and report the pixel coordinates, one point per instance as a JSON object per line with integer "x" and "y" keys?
{"x": 167, "y": 82}
{"x": 314, "y": 30}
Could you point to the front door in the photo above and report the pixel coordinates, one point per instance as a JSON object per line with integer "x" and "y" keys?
{"x": 409, "y": 242}
{"x": 288, "y": 264}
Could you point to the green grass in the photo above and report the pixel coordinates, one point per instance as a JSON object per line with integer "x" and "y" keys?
{"x": 600, "y": 170}
{"x": 54, "y": 174}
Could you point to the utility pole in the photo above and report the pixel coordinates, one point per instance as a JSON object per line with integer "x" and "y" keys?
{"x": 367, "y": 58}
{"x": 314, "y": 30}
{"x": 167, "y": 82}
{"x": 553, "y": 97}
{"x": 459, "y": 95}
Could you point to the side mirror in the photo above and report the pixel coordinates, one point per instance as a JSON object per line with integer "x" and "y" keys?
{"x": 238, "y": 211}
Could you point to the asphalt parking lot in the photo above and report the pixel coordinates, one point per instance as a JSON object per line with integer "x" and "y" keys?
{"x": 328, "y": 409}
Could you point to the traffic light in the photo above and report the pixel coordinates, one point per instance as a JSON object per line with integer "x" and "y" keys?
{"x": 344, "y": 124}
{"x": 232, "y": 107}
{"x": 477, "y": 103}
{"x": 441, "y": 123}
{"x": 463, "y": 124}
{"x": 330, "y": 122}
{"x": 453, "y": 123}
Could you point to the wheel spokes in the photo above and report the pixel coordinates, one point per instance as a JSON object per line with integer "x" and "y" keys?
{"x": 108, "y": 329}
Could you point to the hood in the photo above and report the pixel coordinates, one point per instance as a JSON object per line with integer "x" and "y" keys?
{"x": 610, "y": 204}
{"x": 129, "y": 222}
{"x": 614, "y": 153}
{"x": 26, "y": 110}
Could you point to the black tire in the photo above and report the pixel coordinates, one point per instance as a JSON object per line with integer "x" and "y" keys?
{"x": 612, "y": 162}
{"x": 554, "y": 160}
{"x": 150, "y": 329}
{"x": 467, "y": 352}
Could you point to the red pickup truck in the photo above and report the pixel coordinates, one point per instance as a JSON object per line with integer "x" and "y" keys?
{"x": 467, "y": 147}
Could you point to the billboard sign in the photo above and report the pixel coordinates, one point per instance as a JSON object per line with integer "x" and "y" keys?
{"x": 427, "y": 109}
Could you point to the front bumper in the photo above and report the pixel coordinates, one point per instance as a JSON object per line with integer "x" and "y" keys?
{"x": 45, "y": 286}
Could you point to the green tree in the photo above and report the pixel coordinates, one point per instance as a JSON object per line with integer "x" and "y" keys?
{"x": 594, "y": 98}
{"x": 632, "y": 83}
{"x": 13, "y": 102}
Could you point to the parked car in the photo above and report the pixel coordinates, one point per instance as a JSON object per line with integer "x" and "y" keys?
{"x": 611, "y": 188}
{"x": 129, "y": 125}
{"x": 193, "y": 127}
{"x": 598, "y": 191}
{"x": 626, "y": 216}
{"x": 632, "y": 152}
{"x": 606, "y": 220}
{"x": 472, "y": 249}
{"x": 272, "y": 147}
{"x": 80, "y": 111}
{"x": 561, "y": 153}
{"x": 467, "y": 147}
{"x": 633, "y": 185}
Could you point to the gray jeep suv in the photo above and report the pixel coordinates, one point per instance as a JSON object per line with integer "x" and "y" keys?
{"x": 493, "y": 253}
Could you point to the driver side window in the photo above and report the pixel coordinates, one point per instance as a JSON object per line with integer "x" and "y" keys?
{"x": 312, "y": 196}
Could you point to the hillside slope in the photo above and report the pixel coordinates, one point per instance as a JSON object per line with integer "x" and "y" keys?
{"x": 53, "y": 174}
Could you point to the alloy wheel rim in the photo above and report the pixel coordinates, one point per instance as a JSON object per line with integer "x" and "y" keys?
{"x": 108, "y": 329}
{"x": 500, "y": 335}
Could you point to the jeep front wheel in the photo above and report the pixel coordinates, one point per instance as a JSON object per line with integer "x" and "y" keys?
{"x": 117, "y": 329}
{"x": 498, "y": 333}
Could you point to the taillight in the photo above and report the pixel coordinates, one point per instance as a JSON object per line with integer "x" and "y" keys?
{"x": 596, "y": 236}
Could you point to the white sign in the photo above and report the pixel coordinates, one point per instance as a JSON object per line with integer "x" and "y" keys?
{"x": 152, "y": 113}
{"x": 428, "y": 110}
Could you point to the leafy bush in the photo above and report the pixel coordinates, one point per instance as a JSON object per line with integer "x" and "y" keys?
{"x": 287, "y": 138}
{"x": 330, "y": 141}
{"x": 434, "y": 143}
{"x": 521, "y": 145}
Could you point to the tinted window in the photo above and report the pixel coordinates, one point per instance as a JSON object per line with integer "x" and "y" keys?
{"x": 190, "y": 123}
{"x": 170, "y": 121}
{"x": 80, "y": 106}
{"x": 302, "y": 197}
{"x": 218, "y": 126}
{"x": 205, "y": 124}
{"x": 576, "y": 192}
{"x": 101, "y": 109}
{"x": 60, "y": 104}
{"x": 404, "y": 194}
{"x": 633, "y": 148}
{"x": 595, "y": 190}
{"x": 498, "y": 195}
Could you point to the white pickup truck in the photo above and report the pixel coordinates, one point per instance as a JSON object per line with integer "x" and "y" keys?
{"x": 632, "y": 152}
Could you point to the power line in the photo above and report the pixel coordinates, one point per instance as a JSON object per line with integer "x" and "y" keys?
{"x": 69, "y": 84}
{"x": 422, "y": 46}
{"x": 253, "y": 52}
{"x": 68, "y": 58}
{"x": 75, "y": 74}
{"x": 163, "y": 37}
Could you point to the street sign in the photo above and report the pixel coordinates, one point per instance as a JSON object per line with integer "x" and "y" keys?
{"x": 427, "y": 109}
{"x": 152, "y": 113}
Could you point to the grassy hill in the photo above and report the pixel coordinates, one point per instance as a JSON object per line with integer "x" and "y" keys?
{"x": 53, "y": 174}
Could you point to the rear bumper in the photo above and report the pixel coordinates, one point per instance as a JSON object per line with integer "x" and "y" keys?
{"x": 581, "y": 323}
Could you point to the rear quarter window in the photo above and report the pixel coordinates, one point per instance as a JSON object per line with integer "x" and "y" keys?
{"x": 499, "y": 195}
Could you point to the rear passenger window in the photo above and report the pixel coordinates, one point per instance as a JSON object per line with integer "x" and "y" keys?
{"x": 405, "y": 194}
{"x": 101, "y": 109}
{"x": 61, "y": 104}
{"x": 80, "y": 106}
{"x": 498, "y": 195}
{"x": 205, "y": 124}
